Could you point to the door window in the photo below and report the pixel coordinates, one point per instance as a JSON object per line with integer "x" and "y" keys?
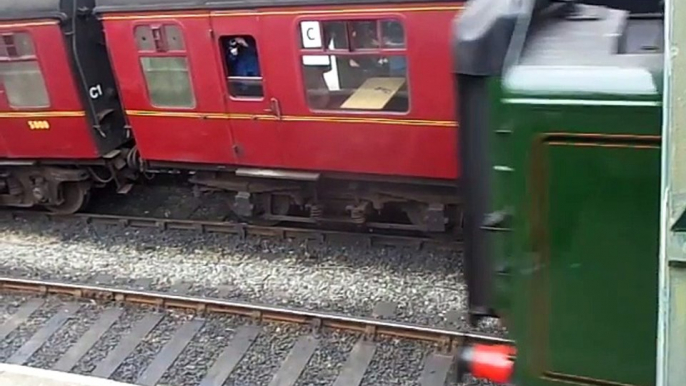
{"x": 242, "y": 64}
{"x": 164, "y": 63}
{"x": 20, "y": 72}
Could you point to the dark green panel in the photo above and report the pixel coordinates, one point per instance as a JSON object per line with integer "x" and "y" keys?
{"x": 601, "y": 264}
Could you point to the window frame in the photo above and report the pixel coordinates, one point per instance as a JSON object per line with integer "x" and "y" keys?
{"x": 227, "y": 77}
{"x": 350, "y": 52}
{"x": 32, "y": 58}
{"x": 167, "y": 53}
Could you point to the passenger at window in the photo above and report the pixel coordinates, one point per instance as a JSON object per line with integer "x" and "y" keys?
{"x": 242, "y": 58}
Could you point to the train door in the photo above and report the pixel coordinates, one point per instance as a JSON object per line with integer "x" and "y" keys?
{"x": 253, "y": 112}
{"x": 171, "y": 91}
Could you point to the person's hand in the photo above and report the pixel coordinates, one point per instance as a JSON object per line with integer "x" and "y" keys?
{"x": 242, "y": 42}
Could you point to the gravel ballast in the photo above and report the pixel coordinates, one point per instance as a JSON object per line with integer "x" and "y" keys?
{"x": 327, "y": 360}
{"x": 346, "y": 278}
{"x": 145, "y": 352}
{"x": 108, "y": 341}
{"x": 395, "y": 361}
{"x": 265, "y": 356}
{"x": 66, "y": 336}
{"x": 196, "y": 359}
{"x": 25, "y": 331}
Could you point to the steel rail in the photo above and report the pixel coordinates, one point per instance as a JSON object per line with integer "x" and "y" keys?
{"x": 244, "y": 230}
{"x": 446, "y": 338}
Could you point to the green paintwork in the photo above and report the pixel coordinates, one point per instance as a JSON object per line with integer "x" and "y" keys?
{"x": 600, "y": 265}
{"x": 580, "y": 292}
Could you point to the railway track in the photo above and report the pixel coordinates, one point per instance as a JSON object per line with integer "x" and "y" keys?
{"x": 306, "y": 333}
{"x": 243, "y": 230}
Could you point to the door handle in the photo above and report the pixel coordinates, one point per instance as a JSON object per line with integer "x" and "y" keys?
{"x": 275, "y": 107}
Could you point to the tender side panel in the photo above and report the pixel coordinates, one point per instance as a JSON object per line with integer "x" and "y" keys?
{"x": 598, "y": 261}
{"x": 41, "y": 113}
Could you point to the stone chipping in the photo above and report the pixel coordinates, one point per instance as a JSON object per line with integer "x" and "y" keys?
{"x": 346, "y": 278}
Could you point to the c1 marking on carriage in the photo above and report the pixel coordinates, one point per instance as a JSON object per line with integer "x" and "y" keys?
{"x": 95, "y": 92}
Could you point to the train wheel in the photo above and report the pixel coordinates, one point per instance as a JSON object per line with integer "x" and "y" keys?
{"x": 75, "y": 196}
{"x": 429, "y": 218}
{"x": 416, "y": 213}
{"x": 264, "y": 205}
{"x": 274, "y": 204}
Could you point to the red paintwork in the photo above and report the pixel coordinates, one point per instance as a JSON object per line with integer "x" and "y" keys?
{"x": 174, "y": 139}
{"x": 68, "y": 137}
{"x": 3, "y": 107}
{"x": 3, "y": 147}
{"x": 401, "y": 150}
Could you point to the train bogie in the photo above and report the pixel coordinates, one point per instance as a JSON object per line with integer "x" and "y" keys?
{"x": 307, "y": 198}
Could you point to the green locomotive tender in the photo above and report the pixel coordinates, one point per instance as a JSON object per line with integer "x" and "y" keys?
{"x": 560, "y": 111}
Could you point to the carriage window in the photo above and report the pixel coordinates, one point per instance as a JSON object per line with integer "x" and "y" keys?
{"x": 20, "y": 72}
{"x": 174, "y": 38}
{"x": 165, "y": 66}
{"x": 243, "y": 74}
{"x": 364, "y": 34}
{"x": 168, "y": 81}
{"x": 392, "y": 34}
{"x": 144, "y": 38}
{"x": 336, "y": 34}
{"x": 355, "y": 65}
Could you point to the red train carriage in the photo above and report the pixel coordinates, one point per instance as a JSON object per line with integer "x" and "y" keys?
{"x": 60, "y": 121}
{"x": 325, "y": 107}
